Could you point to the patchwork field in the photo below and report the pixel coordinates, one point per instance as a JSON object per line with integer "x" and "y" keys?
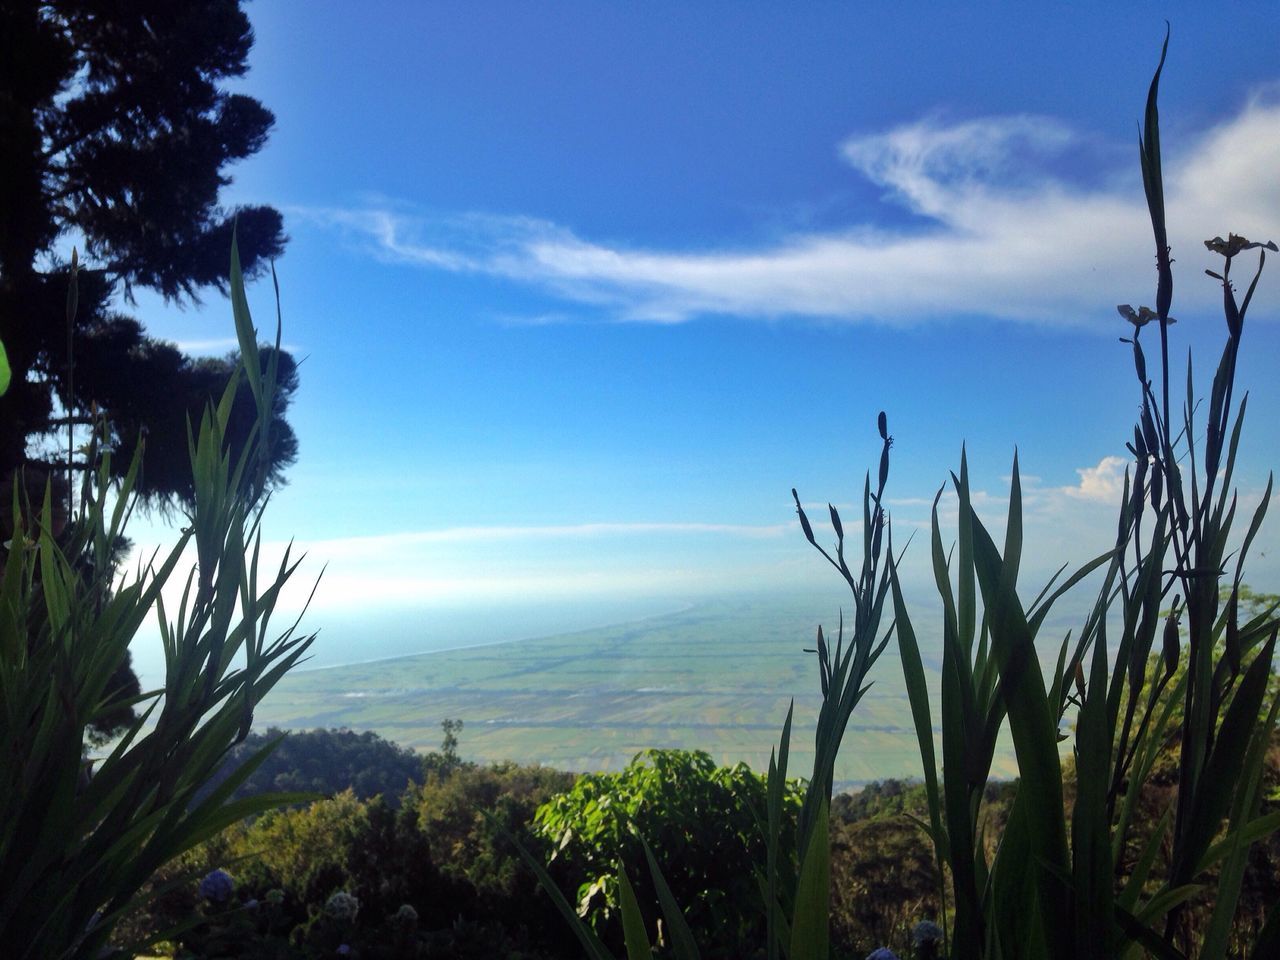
{"x": 718, "y": 677}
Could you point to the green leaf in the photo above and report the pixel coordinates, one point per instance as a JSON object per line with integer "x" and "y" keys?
{"x": 918, "y": 696}
{"x": 633, "y": 933}
{"x": 1255, "y": 829}
{"x": 810, "y": 932}
{"x": 1243, "y": 828}
{"x": 5, "y": 373}
{"x": 595, "y": 950}
{"x": 1141, "y": 934}
{"x": 1090, "y": 827}
{"x": 1011, "y": 886}
{"x": 682, "y": 942}
{"x": 1223, "y": 770}
{"x": 1035, "y": 734}
{"x": 1013, "y": 528}
{"x": 1164, "y": 901}
{"x": 1128, "y": 898}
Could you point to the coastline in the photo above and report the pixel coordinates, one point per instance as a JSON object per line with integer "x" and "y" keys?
{"x": 483, "y": 644}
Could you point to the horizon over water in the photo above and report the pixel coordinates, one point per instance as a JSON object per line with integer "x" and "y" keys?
{"x": 348, "y": 637}
{"x": 586, "y": 682}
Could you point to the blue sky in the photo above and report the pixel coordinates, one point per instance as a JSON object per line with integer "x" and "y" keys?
{"x": 584, "y": 289}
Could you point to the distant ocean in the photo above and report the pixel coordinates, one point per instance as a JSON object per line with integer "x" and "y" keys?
{"x": 381, "y": 633}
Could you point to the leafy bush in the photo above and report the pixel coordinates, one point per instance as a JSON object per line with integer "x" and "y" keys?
{"x": 466, "y": 815}
{"x": 883, "y": 881}
{"x": 435, "y": 858}
{"x": 880, "y": 798}
{"x": 702, "y": 823}
{"x": 325, "y": 762}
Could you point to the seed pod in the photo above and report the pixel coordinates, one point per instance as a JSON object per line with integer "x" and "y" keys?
{"x": 73, "y": 290}
{"x": 1079, "y": 676}
{"x": 1149, "y": 435}
{"x": 823, "y": 667}
{"x": 1171, "y": 642}
{"x": 835, "y": 521}
{"x": 804, "y": 521}
{"x": 884, "y": 465}
{"x": 883, "y": 423}
{"x": 876, "y": 537}
{"x": 1164, "y": 287}
{"x": 1157, "y": 485}
{"x": 1138, "y": 495}
{"x": 1231, "y": 311}
{"x": 1139, "y": 361}
{"x": 1137, "y": 661}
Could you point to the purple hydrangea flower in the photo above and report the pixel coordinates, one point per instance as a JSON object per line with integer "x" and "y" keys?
{"x": 217, "y": 886}
{"x": 926, "y": 931}
{"x": 882, "y": 953}
{"x": 344, "y": 949}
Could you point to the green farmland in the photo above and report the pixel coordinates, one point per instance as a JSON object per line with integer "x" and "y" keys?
{"x": 718, "y": 676}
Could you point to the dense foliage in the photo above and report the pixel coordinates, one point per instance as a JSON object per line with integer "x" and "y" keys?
{"x": 435, "y": 859}
{"x": 116, "y": 127}
{"x": 468, "y": 814}
{"x": 700, "y": 820}
{"x": 324, "y": 762}
{"x": 444, "y": 849}
{"x": 1060, "y": 883}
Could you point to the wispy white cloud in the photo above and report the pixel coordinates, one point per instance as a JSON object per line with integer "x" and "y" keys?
{"x": 998, "y": 234}
{"x": 219, "y": 347}
{"x": 208, "y": 348}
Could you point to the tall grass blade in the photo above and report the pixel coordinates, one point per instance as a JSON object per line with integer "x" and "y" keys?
{"x": 1034, "y": 730}
{"x": 810, "y": 930}
{"x": 682, "y": 943}
{"x": 634, "y": 935}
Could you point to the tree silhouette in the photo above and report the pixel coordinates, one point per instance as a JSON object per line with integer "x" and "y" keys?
{"x": 115, "y": 131}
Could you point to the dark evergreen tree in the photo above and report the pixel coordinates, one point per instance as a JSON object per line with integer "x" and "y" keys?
{"x": 115, "y": 131}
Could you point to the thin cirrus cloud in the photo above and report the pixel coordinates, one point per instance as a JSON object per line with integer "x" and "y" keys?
{"x": 382, "y": 543}
{"x": 996, "y": 233}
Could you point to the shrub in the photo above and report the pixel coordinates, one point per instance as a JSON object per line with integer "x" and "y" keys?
{"x": 325, "y": 762}
{"x": 80, "y": 838}
{"x": 465, "y": 815}
{"x": 432, "y": 877}
{"x": 702, "y": 823}
{"x": 883, "y": 881}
